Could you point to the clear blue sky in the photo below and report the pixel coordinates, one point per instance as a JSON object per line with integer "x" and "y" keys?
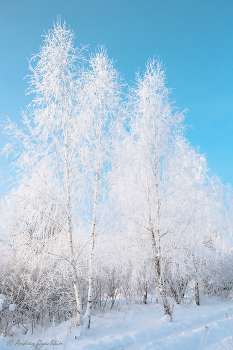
{"x": 193, "y": 38}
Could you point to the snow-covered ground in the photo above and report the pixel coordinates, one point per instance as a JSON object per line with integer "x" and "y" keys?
{"x": 142, "y": 327}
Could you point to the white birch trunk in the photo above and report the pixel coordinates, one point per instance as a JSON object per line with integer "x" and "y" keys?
{"x": 156, "y": 240}
{"x": 167, "y": 309}
{"x": 71, "y": 247}
{"x": 157, "y": 253}
{"x": 196, "y": 286}
{"x": 93, "y": 224}
{"x": 90, "y": 283}
{"x": 69, "y": 217}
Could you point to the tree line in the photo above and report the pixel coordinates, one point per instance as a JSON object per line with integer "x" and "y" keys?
{"x": 112, "y": 205}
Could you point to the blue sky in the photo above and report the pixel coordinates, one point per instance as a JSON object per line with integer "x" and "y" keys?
{"x": 193, "y": 38}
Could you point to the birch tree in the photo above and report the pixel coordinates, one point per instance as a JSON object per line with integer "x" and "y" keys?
{"x": 103, "y": 134}
{"x": 154, "y": 128}
{"x": 54, "y": 126}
